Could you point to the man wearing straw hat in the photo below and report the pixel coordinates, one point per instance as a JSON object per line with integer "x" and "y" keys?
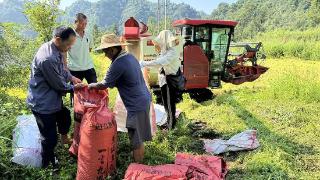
{"x": 125, "y": 74}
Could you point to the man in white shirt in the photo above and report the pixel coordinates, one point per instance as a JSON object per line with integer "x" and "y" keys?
{"x": 80, "y": 63}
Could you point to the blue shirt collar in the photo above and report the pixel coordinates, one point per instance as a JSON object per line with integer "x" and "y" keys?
{"x": 55, "y": 49}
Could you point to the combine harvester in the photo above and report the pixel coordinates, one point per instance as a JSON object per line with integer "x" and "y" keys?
{"x": 205, "y": 55}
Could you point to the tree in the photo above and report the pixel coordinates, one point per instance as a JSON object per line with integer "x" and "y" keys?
{"x": 256, "y": 16}
{"x": 42, "y": 16}
{"x": 114, "y": 29}
{"x": 12, "y": 37}
{"x": 4, "y": 50}
{"x": 314, "y": 12}
{"x": 14, "y": 48}
{"x": 96, "y": 33}
{"x": 1, "y": 31}
{"x": 153, "y": 25}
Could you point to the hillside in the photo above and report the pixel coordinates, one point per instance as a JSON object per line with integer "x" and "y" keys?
{"x": 107, "y": 12}
{"x": 104, "y": 13}
{"x": 265, "y": 15}
{"x": 11, "y": 11}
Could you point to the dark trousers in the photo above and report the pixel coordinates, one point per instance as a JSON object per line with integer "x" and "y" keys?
{"x": 169, "y": 99}
{"x": 90, "y": 75}
{"x": 48, "y": 124}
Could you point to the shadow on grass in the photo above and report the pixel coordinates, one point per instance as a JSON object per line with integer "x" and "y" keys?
{"x": 270, "y": 137}
{"x": 251, "y": 121}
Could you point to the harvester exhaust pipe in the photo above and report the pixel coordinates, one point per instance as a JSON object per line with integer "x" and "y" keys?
{"x": 165, "y": 5}
{"x": 158, "y": 17}
{"x": 165, "y": 14}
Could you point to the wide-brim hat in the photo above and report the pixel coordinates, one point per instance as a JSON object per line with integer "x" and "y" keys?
{"x": 110, "y": 40}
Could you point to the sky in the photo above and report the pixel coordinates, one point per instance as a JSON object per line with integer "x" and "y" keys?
{"x": 201, "y": 5}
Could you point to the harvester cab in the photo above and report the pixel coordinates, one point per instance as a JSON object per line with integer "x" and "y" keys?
{"x": 205, "y": 50}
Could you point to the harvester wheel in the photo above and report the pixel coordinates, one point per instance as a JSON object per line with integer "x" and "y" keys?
{"x": 200, "y": 95}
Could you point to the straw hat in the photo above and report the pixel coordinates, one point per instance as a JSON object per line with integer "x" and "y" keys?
{"x": 110, "y": 40}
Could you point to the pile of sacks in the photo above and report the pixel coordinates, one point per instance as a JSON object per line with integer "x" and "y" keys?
{"x": 186, "y": 166}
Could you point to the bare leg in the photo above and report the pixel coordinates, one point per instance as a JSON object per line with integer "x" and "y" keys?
{"x": 65, "y": 139}
{"x": 138, "y": 154}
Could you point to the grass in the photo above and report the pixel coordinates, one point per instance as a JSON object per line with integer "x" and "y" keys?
{"x": 283, "y": 105}
{"x": 298, "y": 44}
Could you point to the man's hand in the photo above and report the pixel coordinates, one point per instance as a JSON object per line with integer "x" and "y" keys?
{"x": 92, "y": 86}
{"x": 75, "y": 80}
{"x": 79, "y": 86}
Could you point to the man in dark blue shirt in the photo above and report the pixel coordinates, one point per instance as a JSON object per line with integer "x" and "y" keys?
{"x": 125, "y": 74}
{"x": 48, "y": 83}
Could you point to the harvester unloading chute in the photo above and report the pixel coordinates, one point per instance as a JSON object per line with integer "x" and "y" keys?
{"x": 244, "y": 66}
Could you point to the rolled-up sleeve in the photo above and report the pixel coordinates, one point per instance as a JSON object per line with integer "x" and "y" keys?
{"x": 162, "y": 60}
{"x": 54, "y": 78}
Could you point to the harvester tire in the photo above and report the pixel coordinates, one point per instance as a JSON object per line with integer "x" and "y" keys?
{"x": 200, "y": 95}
